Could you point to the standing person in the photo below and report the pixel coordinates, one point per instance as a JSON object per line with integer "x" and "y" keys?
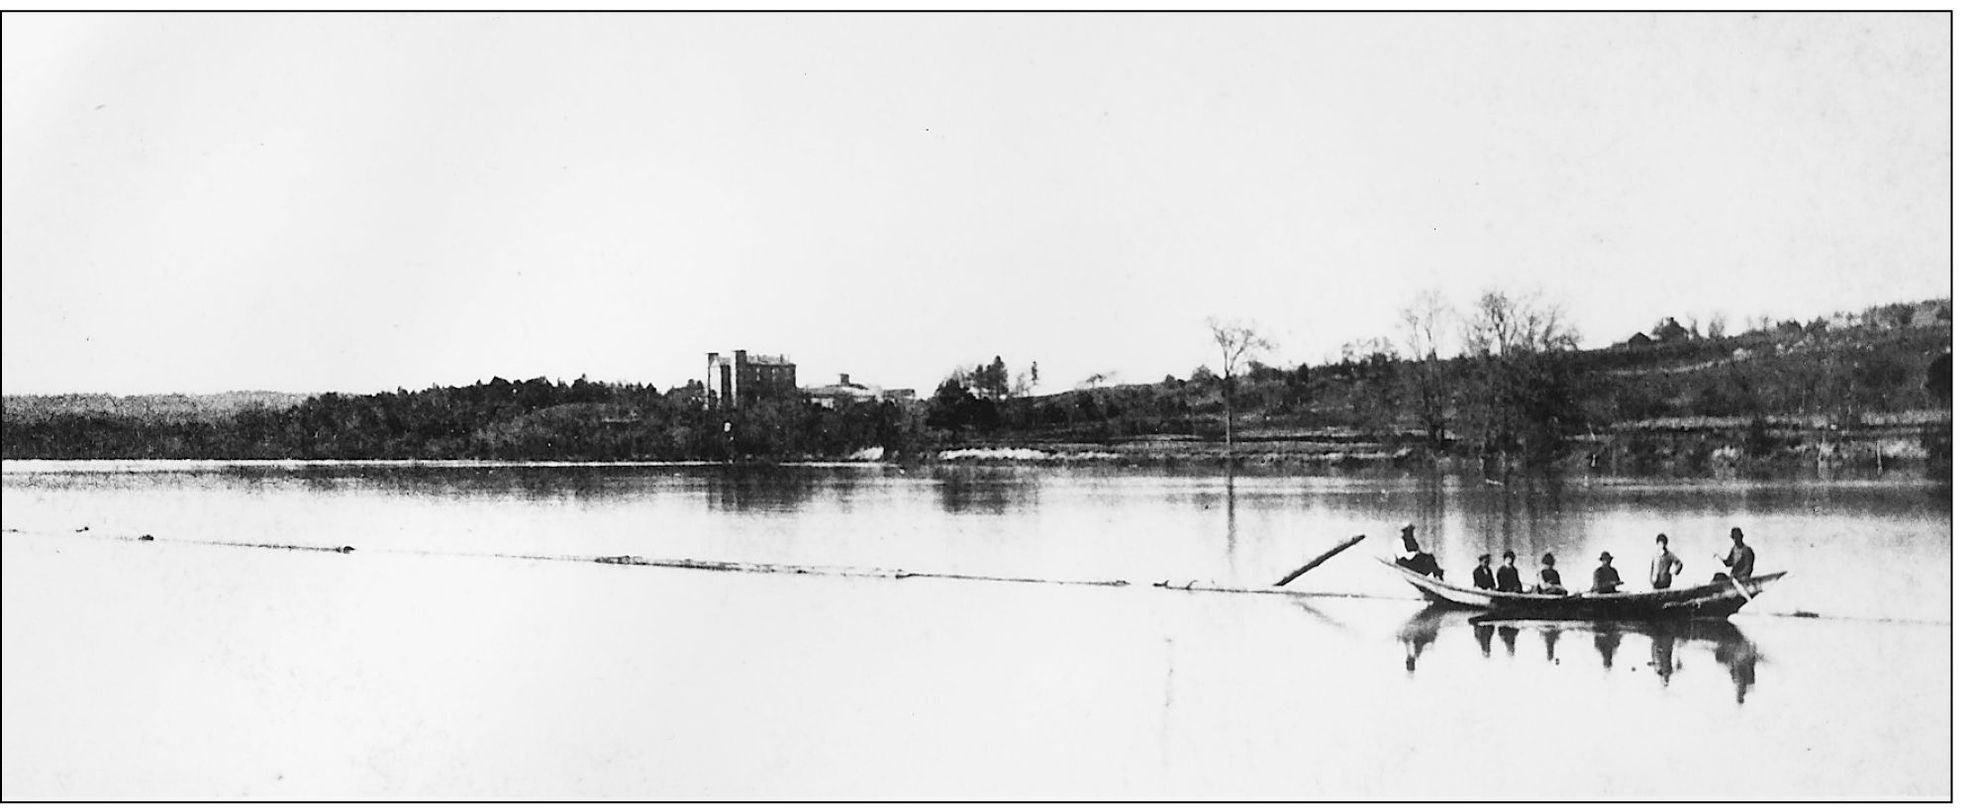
{"x": 1550, "y": 578}
{"x": 1739, "y": 559}
{"x": 1508, "y": 577}
{"x": 1664, "y": 565}
{"x": 1606, "y": 577}
{"x": 1482, "y": 576}
{"x": 1414, "y": 556}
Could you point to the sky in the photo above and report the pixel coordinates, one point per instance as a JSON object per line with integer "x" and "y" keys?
{"x": 202, "y": 203}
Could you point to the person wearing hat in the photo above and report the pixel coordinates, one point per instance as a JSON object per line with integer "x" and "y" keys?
{"x": 1550, "y": 578}
{"x": 1606, "y": 577}
{"x": 1740, "y": 558}
{"x": 1664, "y": 565}
{"x": 1414, "y": 556}
{"x": 1508, "y": 577}
{"x": 1482, "y": 576}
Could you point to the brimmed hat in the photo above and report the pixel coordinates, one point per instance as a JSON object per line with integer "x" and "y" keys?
{"x": 1485, "y": 557}
{"x": 1605, "y": 556}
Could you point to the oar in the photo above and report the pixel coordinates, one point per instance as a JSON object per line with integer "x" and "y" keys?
{"x": 1345, "y": 545}
{"x": 1735, "y": 581}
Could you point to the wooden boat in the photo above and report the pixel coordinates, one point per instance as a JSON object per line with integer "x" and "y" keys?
{"x": 1712, "y": 599}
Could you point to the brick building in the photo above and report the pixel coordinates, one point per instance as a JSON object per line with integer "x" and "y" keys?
{"x": 739, "y": 379}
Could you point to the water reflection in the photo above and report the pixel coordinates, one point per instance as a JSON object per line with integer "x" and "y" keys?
{"x": 1670, "y": 642}
{"x": 759, "y": 488}
{"x": 1606, "y": 641}
{"x": 1232, "y": 524}
{"x": 1420, "y": 632}
{"x": 985, "y": 490}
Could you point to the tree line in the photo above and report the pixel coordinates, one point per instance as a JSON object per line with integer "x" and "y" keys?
{"x": 1503, "y": 380}
{"x": 534, "y": 419}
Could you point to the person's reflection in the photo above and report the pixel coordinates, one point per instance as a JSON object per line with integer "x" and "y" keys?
{"x": 1509, "y": 634}
{"x": 1548, "y": 636}
{"x": 1607, "y": 638}
{"x": 1484, "y": 634}
{"x": 1661, "y": 646}
{"x": 1732, "y": 650}
{"x": 1419, "y": 632}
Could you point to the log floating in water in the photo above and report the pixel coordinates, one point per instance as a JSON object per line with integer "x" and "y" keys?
{"x": 1345, "y": 545}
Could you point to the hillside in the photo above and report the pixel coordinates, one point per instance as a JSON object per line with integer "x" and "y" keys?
{"x": 1786, "y": 397}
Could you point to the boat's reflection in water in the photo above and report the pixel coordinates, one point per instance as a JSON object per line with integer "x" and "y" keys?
{"x": 1725, "y": 643}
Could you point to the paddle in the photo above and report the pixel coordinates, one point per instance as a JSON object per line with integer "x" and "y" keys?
{"x": 1343, "y": 546}
{"x": 1735, "y": 581}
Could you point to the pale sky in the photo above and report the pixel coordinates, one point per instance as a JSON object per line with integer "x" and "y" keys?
{"x": 200, "y": 203}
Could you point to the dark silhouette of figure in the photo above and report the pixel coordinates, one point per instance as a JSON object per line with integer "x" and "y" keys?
{"x": 1484, "y": 634}
{"x": 1550, "y": 578}
{"x": 1507, "y": 579}
{"x": 1664, "y": 565}
{"x": 1482, "y": 576}
{"x": 1414, "y": 556}
{"x": 1606, "y": 577}
{"x": 1739, "y": 559}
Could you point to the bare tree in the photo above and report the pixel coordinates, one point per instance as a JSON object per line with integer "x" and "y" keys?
{"x": 1424, "y": 323}
{"x": 1235, "y": 341}
{"x": 1528, "y": 403}
{"x": 1503, "y": 325}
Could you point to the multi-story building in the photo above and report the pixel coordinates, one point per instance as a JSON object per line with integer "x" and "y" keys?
{"x": 847, "y": 392}
{"x": 741, "y": 379}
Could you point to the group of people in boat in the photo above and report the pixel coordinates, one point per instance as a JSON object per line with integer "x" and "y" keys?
{"x": 1506, "y": 578}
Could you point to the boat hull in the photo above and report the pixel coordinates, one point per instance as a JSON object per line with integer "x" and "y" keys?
{"x": 1713, "y": 599}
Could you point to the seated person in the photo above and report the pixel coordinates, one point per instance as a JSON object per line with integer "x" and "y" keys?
{"x": 1606, "y": 578}
{"x": 1507, "y": 580}
{"x": 1550, "y": 578}
{"x": 1415, "y": 558}
{"x": 1482, "y": 576}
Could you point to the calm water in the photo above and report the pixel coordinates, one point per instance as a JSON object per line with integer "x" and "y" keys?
{"x": 430, "y": 663}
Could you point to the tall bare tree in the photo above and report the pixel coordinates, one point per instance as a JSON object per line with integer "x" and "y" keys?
{"x": 1235, "y": 340}
{"x": 1528, "y": 401}
{"x": 1424, "y": 322}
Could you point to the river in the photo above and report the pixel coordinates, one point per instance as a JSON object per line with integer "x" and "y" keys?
{"x": 464, "y": 650}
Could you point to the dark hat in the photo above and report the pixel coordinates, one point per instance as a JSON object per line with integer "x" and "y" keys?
{"x": 1547, "y": 558}
{"x": 1408, "y": 527}
{"x": 1735, "y": 532}
{"x": 1606, "y": 557}
{"x": 1485, "y": 557}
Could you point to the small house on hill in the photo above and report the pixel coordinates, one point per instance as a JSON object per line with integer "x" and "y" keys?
{"x": 1669, "y": 330}
{"x": 1638, "y": 340}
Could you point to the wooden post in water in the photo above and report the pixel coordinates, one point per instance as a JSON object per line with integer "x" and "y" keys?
{"x": 1345, "y": 545}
